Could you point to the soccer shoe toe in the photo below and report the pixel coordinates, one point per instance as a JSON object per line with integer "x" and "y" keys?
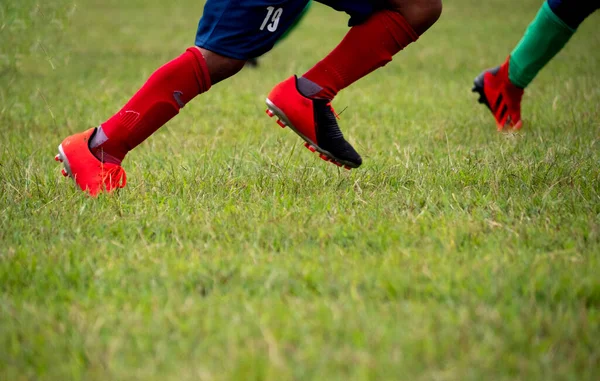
{"x": 342, "y": 152}
{"x": 327, "y": 157}
{"x": 518, "y": 125}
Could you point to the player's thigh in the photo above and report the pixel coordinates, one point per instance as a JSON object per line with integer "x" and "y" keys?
{"x": 244, "y": 29}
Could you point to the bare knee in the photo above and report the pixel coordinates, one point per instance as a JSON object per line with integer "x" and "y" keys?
{"x": 420, "y": 14}
{"x": 221, "y": 67}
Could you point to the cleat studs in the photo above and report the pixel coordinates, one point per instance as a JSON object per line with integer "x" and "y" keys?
{"x": 57, "y": 158}
{"x": 64, "y": 172}
{"x": 336, "y": 163}
{"x": 324, "y": 157}
{"x": 281, "y": 123}
{"x": 270, "y": 113}
{"x": 310, "y": 147}
{"x": 347, "y": 167}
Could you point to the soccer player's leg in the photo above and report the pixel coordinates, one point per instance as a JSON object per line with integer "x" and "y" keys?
{"x": 230, "y": 32}
{"x": 93, "y": 157}
{"x": 379, "y": 30}
{"x": 501, "y": 88}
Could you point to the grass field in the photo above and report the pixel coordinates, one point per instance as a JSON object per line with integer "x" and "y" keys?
{"x": 454, "y": 253}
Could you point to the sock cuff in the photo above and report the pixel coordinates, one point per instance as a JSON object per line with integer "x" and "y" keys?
{"x": 515, "y": 73}
{"x": 546, "y": 11}
{"x": 401, "y": 22}
{"x": 201, "y": 70}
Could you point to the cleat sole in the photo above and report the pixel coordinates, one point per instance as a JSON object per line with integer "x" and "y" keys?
{"x": 310, "y": 147}
{"x": 62, "y": 158}
{"x": 283, "y": 121}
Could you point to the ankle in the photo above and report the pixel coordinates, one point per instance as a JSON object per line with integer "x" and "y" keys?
{"x": 104, "y": 149}
{"x": 313, "y": 90}
{"x": 105, "y": 157}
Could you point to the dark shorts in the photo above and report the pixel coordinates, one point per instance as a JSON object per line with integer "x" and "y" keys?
{"x": 244, "y": 29}
{"x": 573, "y": 12}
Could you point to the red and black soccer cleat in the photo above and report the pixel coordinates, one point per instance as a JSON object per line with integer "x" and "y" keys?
{"x": 314, "y": 121}
{"x": 90, "y": 174}
{"x": 500, "y": 96}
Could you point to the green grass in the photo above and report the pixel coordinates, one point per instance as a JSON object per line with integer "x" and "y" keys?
{"x": 454, "y": 253}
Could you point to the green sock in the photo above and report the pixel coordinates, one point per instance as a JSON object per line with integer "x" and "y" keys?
{"x": 545, "y": 36}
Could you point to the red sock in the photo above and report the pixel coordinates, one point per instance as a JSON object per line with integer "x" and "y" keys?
{"x": 365, "y": 48}
{"x": 167, "y": 90}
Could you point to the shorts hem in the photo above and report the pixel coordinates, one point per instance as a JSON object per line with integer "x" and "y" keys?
{"x": 224, "y": 52}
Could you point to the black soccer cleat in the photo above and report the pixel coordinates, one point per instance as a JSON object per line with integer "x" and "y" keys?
{"x": 314, "y": 121}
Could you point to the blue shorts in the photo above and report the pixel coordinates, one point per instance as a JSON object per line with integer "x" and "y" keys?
{"x": 573, "y": 12}
{"x": 244, "y": 29}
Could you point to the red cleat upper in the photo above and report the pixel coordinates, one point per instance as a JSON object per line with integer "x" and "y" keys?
{"x": 297, "y": 108}
{"x": 503, "y": 98}
{"x": 89, "y": 173}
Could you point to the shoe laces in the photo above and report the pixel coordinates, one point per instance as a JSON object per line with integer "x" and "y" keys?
{"x": 114, "y": 177}
{"x": 328, "y": 104}
{"x": 328, "y": 122}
